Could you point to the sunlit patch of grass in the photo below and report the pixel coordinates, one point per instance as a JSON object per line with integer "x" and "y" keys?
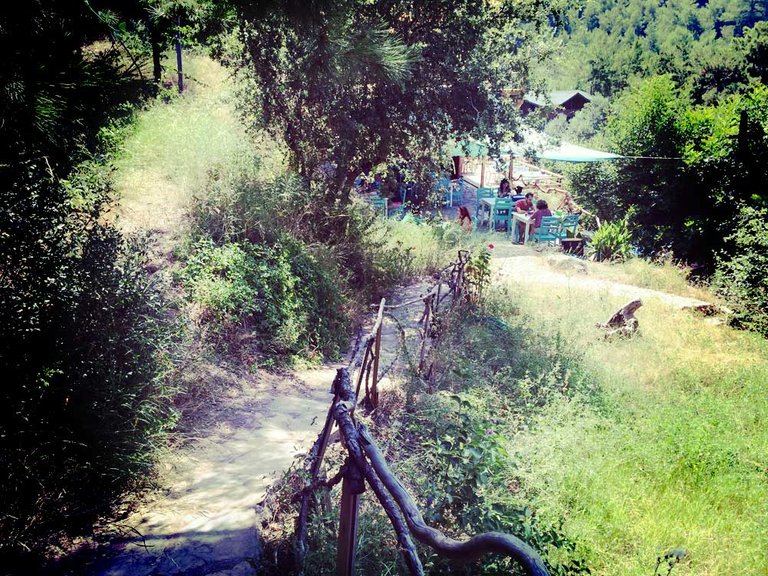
{"x": 676, "y": 456}
{"x": 663, "y": 276}
{"x": 177, "y": 145}
{"x": 430, "y": 246}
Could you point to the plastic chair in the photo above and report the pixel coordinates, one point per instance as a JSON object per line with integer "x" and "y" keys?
{"x": 480, "y": 194}
{"x": 379, "y": 203}
{"x": 502, "y": 212}
{"x": 570, "y": 223}
{"x": 549, "y": 231}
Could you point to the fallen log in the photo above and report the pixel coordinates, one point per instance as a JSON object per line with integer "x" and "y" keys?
{"x": 623, "y": 322}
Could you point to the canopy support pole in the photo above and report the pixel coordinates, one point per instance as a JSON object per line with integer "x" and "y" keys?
{"x": 482, "y": 171}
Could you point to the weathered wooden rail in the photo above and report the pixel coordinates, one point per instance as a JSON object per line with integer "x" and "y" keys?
{"x": 365, "y": 464}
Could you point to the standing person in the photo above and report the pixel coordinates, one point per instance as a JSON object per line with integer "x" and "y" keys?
{"x": 505, "y": 191}
{"x": 524, "y": 206}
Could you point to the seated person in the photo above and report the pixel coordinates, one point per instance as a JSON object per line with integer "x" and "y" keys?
{"x": 465, "y": 220}
{"x": 541, "y": 210}
{"x": 505, "y": 191}
{"x": 524, "y": 206}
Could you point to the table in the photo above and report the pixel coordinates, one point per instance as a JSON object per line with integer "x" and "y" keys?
{"x": 524, "y": 219}
{"x": 488, "y": 205}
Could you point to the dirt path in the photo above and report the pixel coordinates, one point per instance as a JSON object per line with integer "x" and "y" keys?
{"x": 522, "y": 264}
{"x": 202, "y": 522}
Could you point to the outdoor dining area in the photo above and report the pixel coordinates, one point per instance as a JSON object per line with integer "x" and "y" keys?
{"x": 517, "y": 219}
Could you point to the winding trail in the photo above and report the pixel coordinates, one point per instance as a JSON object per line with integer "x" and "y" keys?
{"x": 526, "y": 266}
{"x": 203, "y": 521}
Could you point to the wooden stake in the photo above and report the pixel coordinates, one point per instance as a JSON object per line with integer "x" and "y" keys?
{"x": 347, "y": 550}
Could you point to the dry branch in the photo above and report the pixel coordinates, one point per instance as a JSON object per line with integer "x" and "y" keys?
{"x": 342, "y": 413}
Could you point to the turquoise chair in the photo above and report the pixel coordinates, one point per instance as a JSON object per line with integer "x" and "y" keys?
{"x": 549, "y": 231}
{"x": 502, "y": 212}
{"x": 480, "y": 194}
{"x": 570, "y": 223}
{"x": 380, "y": 204}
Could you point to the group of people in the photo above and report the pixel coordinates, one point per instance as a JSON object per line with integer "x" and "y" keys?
{"x": 524, "y": 205}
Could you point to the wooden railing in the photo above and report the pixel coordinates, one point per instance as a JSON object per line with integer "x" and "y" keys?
{"x": 366, "y": 466}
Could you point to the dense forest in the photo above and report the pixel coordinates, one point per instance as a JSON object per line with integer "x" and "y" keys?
{"x": 92, "y": 345}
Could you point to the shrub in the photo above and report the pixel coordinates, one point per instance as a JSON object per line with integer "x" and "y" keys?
{"x": 612, "y": 242}
{"x": 294, "y": 301}
{"x": 81, "y": 351}
{"x": 741, "y": 276}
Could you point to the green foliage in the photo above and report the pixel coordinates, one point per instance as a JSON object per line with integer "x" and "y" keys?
{"x": 293, "y": 301}
{"x": 741, "y": 276}
{"x": 82, "y": 347}
{"x": 647, "y": 124}
{"x": 355, "y": 84}
{"x": 606, "y": 44}
{"x": 697, "y": 165}
{"x": 477, "y": 275}
{"x": 612, "y": 242}
{"x": 495, "y": 377}
{"x": 669, "y": 453}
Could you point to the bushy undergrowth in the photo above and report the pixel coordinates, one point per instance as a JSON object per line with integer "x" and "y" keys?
{"x": 611, "y": 242}
{"x": 493, "y": 378}
{"x": 267, "y": 253}
{"x": 84, "y": 401}
{"x": 293, "y": 300}
{"x": 742, "y": 274}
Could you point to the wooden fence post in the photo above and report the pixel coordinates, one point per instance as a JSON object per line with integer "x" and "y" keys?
{"x": 347, "y": 548}
{"x": 376, "y": 352}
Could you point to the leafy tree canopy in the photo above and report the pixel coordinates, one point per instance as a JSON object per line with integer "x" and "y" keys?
{"x": 350, "y": 84}
{"x": 605, "y": 43}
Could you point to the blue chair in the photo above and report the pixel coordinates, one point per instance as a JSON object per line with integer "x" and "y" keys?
{"x": 480, "y": 194}
{"x": 570, "y": 224}
{"x": 550, "y": 230}
{"x": 379, "y": 204}
{"x": 502, "y": 212}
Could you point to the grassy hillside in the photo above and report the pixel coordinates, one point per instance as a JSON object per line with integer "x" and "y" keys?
{"x": 177, "y": 147}
{"x": 674, "y": 453}
{"x": 618, "y": 451}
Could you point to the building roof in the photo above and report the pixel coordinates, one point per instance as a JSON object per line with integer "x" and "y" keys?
{"x": 557, "y": 98}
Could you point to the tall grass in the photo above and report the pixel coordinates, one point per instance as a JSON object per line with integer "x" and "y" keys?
{"x": 663, "y": 275}
{"x": 176, "y": 147}
{"x": 675, "y": 456}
